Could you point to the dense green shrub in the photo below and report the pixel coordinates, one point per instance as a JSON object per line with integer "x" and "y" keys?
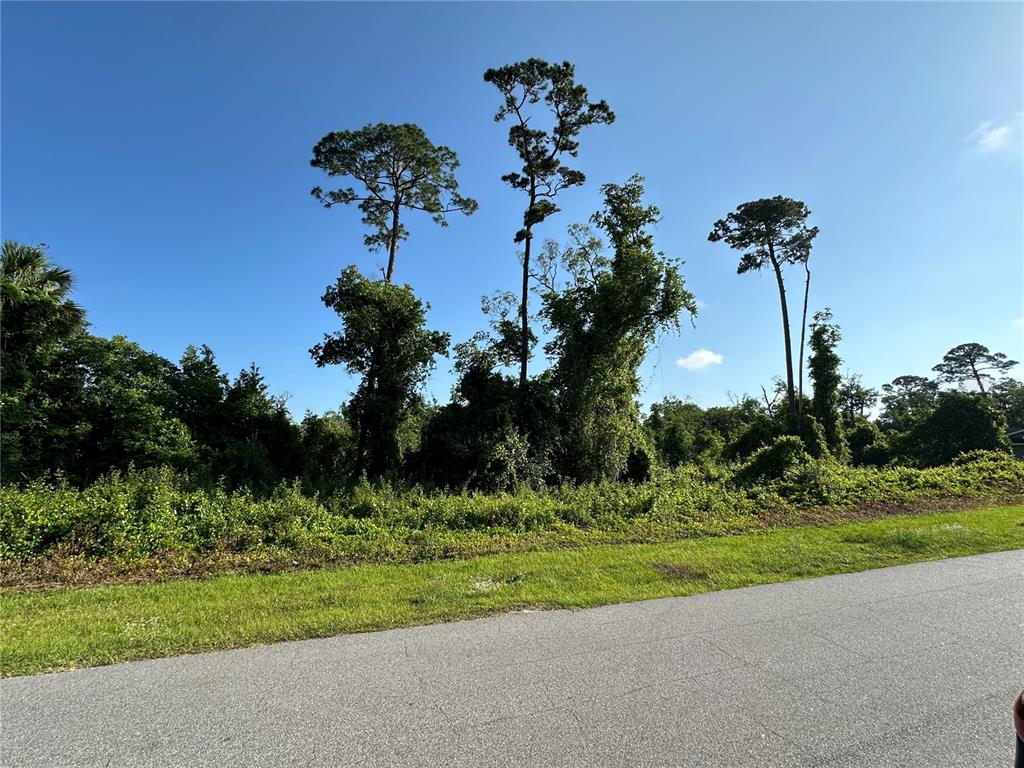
{"x": 868, "y": 445}
{"x": 960, "y": 423}
{"x": 756, "y": 434}
{"x": 676, "y": 430}
{"x": 772, "y": 461}
{"x": 811, "y": 433}
{"x": 509, "y": 463}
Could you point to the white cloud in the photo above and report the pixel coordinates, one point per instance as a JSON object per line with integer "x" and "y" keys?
{"x": 699, "y": 360}
{"x": 990, "y": 136}
{"x": 1019, "y": 323}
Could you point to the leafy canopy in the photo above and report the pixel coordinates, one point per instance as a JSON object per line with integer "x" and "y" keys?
{"x": 398, "y": 167}
{"x": 1009, "y": 396}
{"x": 972, "y": 363}
{"x": 766, "y": 231}
{"x": 855, "y": 400}
{"x": 960, "y": 423}
{"x": 906, "y": 400}
{"x": 543, "y": 175}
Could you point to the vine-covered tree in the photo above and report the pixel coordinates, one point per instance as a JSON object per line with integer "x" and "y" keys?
{"x": 972, "y": 363}
{"x": 823, "y": 366}
{"x": 398, "y": 167}
{"x": 384, "y": 339}
{"x": 603, "y": 315}
{"x": 543, "y": 175}
{"x": 771, "y": 232}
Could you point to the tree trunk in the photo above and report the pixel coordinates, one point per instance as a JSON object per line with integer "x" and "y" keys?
{"x": 790, "y": 391}
{"x": 803, "y": 333}
{"x": 977, "y": 378}
{"x": 393, "y": 242}
{"x": 524, "y": 309}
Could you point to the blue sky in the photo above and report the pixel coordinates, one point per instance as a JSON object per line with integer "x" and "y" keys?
{"x": 162, "y": 151}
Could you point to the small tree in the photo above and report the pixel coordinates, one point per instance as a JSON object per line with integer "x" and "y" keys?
{"x": 398, "y": 167}
{"x": 1009, "y": 396}
{"x": 262, "y": 445}
{"x": 118, "y": 402}
{"x": 678, "y": 431}
{"x": 906, "y": 400}
{"x": 384, "y": 339}
{"x": 327, "y": 447}
{"x": 771, "y": 232}
{"x": 972, "y": 363}
{"x": 201, "y": 387}
{"x": 868, "y": 446}
{"x": 824, "y": 371}
{"x": 855, "y": 400}
{"x": 480, "y": 439}
{"x": 542, "y": 176}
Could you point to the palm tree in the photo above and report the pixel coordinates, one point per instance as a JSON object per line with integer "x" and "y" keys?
{"x": 27, "y": 270}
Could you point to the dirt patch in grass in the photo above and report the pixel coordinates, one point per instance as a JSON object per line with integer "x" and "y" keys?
{"x": 681, "y": 571}
{"x": 878, "y": 509}
{"x": 59, "y": 572}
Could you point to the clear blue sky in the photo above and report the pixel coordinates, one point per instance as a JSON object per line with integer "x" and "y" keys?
{"x": 162, "y": 151}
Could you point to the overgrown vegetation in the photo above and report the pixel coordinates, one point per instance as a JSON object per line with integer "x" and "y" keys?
{"x": 144, "y": 522}
{"x": 66, "y": 628}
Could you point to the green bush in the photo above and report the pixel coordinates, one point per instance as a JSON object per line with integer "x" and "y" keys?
{"x": 759, "y": 433}
{"x": 811, "y": 433}
{"x": 960, "y": 423}
{"x": 868, "y": 445}
{"x": 772, "y": 461}
{"x": 509, "y": 464}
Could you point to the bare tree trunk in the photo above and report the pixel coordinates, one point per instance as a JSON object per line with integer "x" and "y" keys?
{"x": 393, "y": 244}
{"x": 524, "y": 307}
{"x": 790, "y": 391}
{"x": 977, "y": 378}
{"x": 803, "y": 333}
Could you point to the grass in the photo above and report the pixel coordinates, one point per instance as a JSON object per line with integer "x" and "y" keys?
{"x": 69, "y": 628}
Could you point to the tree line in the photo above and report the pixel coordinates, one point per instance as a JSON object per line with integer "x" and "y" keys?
{"x": 80, "y": 405}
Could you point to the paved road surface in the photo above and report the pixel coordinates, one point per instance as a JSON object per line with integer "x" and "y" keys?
{"x": 911, "y": 666}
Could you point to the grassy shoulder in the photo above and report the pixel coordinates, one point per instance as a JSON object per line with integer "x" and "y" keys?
{"x": 69, "y": 628}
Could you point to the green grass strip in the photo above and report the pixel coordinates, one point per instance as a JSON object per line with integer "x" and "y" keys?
{"x": 70, "y": 628}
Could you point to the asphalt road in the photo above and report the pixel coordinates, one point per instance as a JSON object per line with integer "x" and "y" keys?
{"x": 910, "y": 666}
